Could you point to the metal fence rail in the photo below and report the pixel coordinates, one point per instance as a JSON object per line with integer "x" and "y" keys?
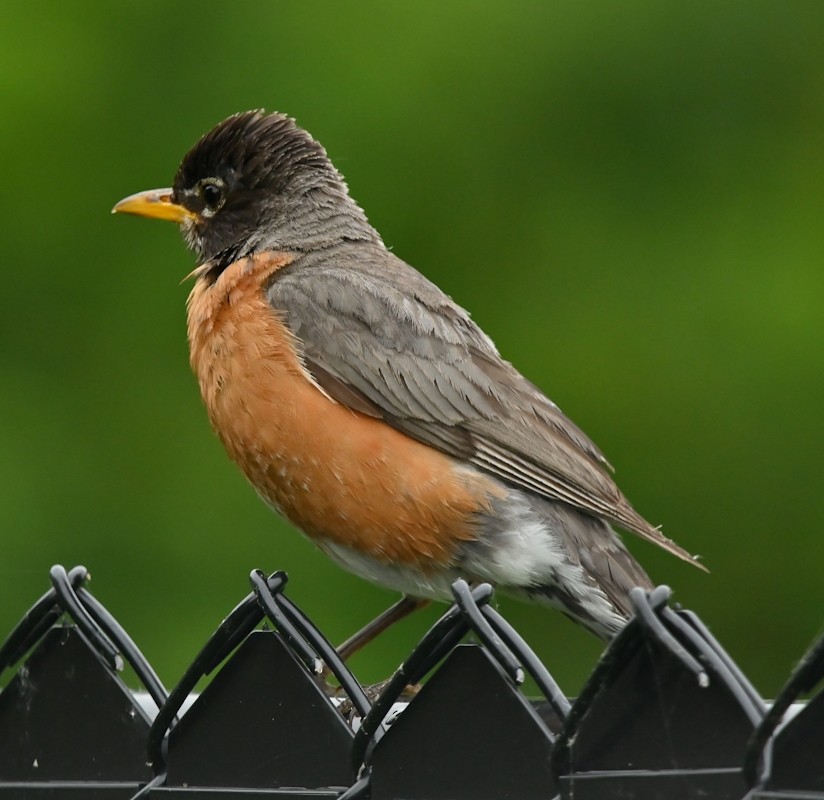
{"x": 665, "y": 714}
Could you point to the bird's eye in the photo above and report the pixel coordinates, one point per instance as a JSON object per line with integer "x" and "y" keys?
{"x": 211, "y": 191}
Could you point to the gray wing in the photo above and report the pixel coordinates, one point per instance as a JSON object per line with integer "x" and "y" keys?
{"x": 382, "y": 340}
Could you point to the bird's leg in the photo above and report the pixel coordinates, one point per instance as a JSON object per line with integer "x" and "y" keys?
{"x": 405, "y": 606}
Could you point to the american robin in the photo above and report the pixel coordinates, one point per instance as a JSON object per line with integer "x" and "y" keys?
{"x": 365, "y": 405}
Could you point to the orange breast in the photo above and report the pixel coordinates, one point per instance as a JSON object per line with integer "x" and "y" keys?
{"x": 336, "y": 473}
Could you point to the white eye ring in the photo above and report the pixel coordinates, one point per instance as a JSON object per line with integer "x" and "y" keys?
{"x": 212, "y": 191}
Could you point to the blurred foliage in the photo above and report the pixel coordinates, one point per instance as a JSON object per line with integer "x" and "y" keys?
{"x": 628, "y": 197}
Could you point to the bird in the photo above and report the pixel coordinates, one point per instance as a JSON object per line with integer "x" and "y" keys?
{"x": 368, "y": 408}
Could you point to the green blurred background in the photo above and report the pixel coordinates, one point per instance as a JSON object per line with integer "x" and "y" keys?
{"x": 628, "y": 197}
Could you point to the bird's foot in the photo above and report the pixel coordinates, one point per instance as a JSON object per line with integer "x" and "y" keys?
{"x": 372, "y": 692}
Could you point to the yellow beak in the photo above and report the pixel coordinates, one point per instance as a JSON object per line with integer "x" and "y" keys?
{"x": 156, "y": 203}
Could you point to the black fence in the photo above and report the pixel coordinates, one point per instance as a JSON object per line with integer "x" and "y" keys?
{"x": 665, "y": 714}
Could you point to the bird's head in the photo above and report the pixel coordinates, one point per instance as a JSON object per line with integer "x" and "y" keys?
{"x": 255, "y": 182}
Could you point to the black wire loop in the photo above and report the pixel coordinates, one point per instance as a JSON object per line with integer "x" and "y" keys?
{"x": 306, "y": 641}
{"x": 683, "y": 635}
{"x": 486, "y": 631}
{"x": 267, "y": 600}
{"x": 69, "y": 596}
{"x": 471, "y": 611}
{"x": 647, "y": 606}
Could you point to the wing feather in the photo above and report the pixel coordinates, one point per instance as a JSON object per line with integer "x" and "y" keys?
{"x": 412, "y": 357}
